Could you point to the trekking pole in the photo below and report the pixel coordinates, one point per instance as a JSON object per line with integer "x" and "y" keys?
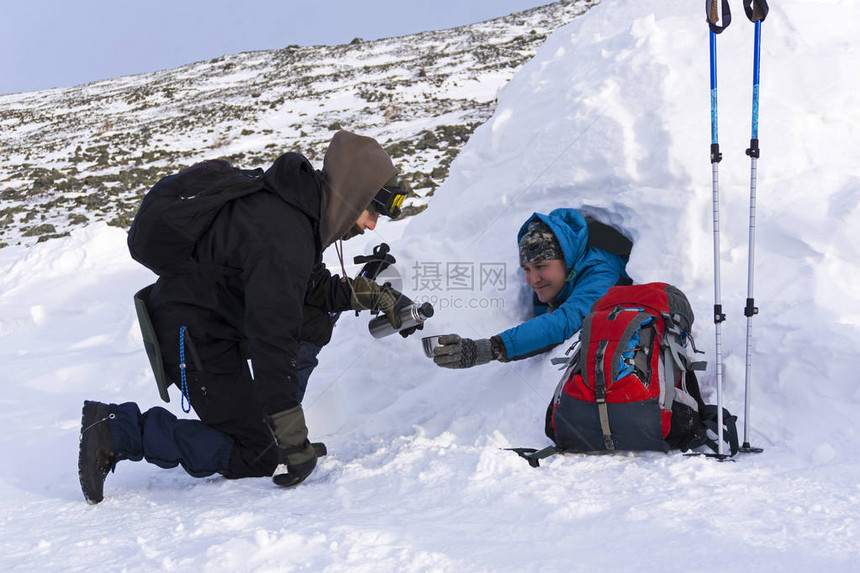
{"x": 756, "y": 11}
{"x": 713, "y": 16}
{"x": 374, "y": 264}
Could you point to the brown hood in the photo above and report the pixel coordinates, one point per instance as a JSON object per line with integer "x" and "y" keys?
{"x": 354, "y": 169}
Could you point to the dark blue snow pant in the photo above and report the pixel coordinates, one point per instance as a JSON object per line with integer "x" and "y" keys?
{"x": 230, "y": 438}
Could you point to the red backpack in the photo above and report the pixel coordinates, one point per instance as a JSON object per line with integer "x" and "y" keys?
{"x": 630, "y": 384}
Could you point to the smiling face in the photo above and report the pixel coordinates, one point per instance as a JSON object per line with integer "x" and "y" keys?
{"x": 546, "y": 278}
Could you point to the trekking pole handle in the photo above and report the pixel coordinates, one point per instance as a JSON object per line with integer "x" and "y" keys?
{"x": 375, "y": 263}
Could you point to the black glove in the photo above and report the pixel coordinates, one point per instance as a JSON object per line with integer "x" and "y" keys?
{"x": 367, "y": 295}
{"x": 407, "y": 331}
{"x": 291, "y": 437}
{"x": 456, "y": 352}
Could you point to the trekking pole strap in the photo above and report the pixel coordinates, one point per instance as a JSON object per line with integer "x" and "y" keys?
{"x": 756, "y": 10}
{"x": 713, "y": 15}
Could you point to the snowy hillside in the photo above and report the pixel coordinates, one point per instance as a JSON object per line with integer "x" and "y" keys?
{"x": 85, "y": 154}
{"x": 611, "y": 116}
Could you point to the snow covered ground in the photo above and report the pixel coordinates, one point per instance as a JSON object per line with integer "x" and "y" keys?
{"x": 612, "y": 116}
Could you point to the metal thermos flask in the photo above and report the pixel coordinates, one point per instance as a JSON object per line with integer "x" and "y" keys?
{"x": 410, "y": 316}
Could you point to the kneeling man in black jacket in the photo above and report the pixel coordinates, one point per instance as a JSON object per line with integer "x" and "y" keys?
{"x": 256, "y": 290}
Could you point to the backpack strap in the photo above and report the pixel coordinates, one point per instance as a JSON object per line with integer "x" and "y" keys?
{"x": 600, "y": 395}
{"x": 570, "y": 358}
{"x": 534, "y": 456}
{"x": 709, "y": 421}
{"x": 608, "y": 238}
{"x": 675, "y": 346}
{"x": 188, "y": 267}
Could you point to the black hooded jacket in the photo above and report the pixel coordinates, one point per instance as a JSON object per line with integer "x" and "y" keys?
{"x": 258, "y": 281}
{"x": 265, "y": 251}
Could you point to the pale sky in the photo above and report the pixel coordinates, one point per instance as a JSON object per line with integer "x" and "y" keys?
{"x": 61, "y": 43}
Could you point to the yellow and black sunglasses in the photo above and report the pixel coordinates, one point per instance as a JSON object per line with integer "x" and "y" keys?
{"x": 389, "y": 200}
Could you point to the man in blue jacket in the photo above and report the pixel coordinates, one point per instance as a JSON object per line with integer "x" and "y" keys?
{"x": 567, "y": 276}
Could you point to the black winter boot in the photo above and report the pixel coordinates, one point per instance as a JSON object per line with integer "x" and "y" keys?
{"x": 291, "y": 437}
{"x": 96, "y": 456}
{"x": 297, "y": 471}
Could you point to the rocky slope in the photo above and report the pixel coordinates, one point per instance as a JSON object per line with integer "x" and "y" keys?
{"x": 88, "y": 153}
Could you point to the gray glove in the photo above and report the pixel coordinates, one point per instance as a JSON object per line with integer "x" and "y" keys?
{"x": 290, "y": 432}
{"x": 456, "y": 352}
